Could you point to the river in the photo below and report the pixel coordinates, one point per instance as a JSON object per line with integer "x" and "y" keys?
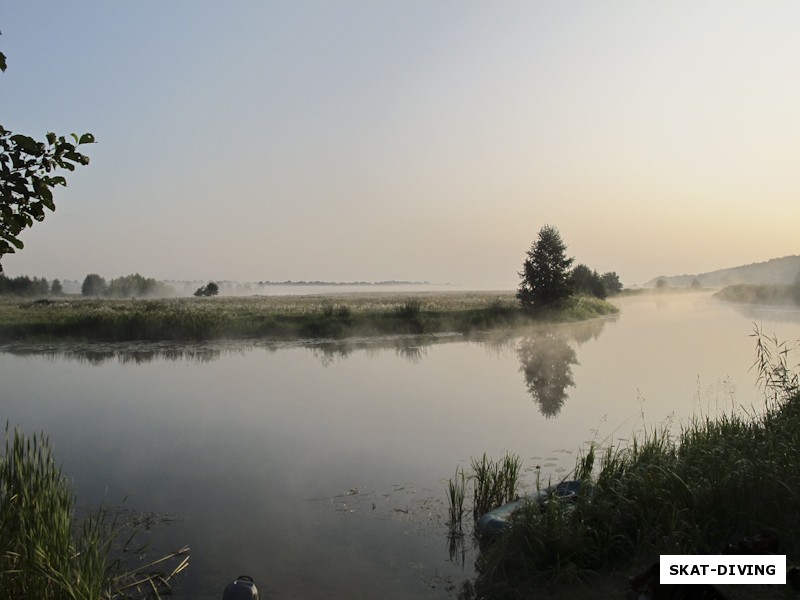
{"x": 320, "y": 469}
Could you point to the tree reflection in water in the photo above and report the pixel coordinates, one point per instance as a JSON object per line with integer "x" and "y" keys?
{"x": 544, "y": 352}
{"x": 546, "y": 361}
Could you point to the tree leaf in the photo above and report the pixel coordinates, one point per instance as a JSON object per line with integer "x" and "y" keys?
{"x": 28, "y": 144}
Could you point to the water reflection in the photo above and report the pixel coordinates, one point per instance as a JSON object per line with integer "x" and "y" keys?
{"x": 546, "y": 353}
{"x": 546, "y": 361}
{"x": 762, "y": 313}
{"x": 133, "y": 353}
{"x": 410, "y": 348}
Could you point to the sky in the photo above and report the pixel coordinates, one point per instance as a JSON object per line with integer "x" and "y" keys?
{"x": 409, "y": 140}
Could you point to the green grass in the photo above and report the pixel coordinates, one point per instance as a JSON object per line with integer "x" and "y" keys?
{"x": 456, "y": 494}
{"x": 713, "y": 483}
{"x": 279, "y": 318}
{"x": 45, "y": 553}
{"x": 494, "y": 482}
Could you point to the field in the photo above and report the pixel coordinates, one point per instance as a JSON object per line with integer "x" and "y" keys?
{"x": 274, "y": 317}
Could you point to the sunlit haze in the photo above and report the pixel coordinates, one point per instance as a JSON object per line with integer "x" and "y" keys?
{"x": 407, "y": 140}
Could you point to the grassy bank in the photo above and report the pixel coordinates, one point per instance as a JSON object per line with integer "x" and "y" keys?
{"x": 46, "y": 554}
{"x": 715, "y": 483}
{"x": 268, "y": 317}
{"x": 769, "y": 294}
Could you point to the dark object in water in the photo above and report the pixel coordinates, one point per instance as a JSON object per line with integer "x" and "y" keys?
{"x": 496, "y": 521}
{"x": 242, "y": 588}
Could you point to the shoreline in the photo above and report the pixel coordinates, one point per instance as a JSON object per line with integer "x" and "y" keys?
{"x": 276, "y": 317}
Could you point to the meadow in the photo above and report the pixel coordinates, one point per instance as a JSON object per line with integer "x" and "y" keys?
{"x": 275, "y": 317}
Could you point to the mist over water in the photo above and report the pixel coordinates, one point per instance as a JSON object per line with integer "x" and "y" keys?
{"x": 320, "y": 468}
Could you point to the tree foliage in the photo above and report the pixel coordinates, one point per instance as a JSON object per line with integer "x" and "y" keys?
{"x": 27, "y": 178}
{"x": 24, "y": 286}
{"x": 588, "y": 282}
{"x": 212, "y": 289}
{"x": 612, "y": 283}
{"x": 545, "y": 273}
{"x": 93, "y": 285}
{"x": 136, "y": 286}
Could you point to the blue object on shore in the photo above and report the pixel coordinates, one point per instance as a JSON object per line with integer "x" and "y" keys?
{"x": 242, "y": 588}
{"x": 496, "y": 521}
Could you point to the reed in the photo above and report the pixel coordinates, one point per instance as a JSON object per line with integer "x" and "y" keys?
{"x": 45, "y": 553}
{"x": 494, "y": 482}
{"x": 456, "y": 493}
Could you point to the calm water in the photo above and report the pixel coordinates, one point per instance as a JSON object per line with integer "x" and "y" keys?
{"x": 321, "y": 470}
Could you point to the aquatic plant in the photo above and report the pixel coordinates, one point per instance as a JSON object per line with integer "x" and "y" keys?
{"x": 456, "y": 493}
{"x": 494, "y": 482}
{"x": 776, "y": 376}
{"x": 45, "y": 553}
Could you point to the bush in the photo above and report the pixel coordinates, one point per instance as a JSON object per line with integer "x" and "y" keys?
{"x": 212, "y": 289}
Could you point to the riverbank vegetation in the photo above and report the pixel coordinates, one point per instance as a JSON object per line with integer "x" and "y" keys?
{"x": 704, "y": 490}
{"x": 274, "y": 317}
{"x": 45, "y": 553}
{"x": 769, "y": 294}
{"x": 547, "y": 282}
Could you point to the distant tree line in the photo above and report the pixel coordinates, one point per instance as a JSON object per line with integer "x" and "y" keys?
{"x": 128, "y": 286}
{"x": 27, "y": 287}
{"x": 548, "y": 281}
{"x": 95, "y": 286}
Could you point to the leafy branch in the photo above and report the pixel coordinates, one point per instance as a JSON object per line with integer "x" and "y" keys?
{"x": 28, "y": 175}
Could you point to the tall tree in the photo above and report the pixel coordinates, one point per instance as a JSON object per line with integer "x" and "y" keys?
{"x": 93, "y": 285}
{"x": 27, "y": 179}
{"x": 545, "y": 272}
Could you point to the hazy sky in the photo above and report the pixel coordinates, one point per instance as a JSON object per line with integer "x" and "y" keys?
{"x": 431, "y": 140}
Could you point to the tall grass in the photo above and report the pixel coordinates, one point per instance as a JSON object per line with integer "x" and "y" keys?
{"x": 270, "y": 317}
{"x": 456, "y": 494}
{"x": 715, "y": 482}
{"x": 44, "y": 552}
{"x": 493, "y": 484}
